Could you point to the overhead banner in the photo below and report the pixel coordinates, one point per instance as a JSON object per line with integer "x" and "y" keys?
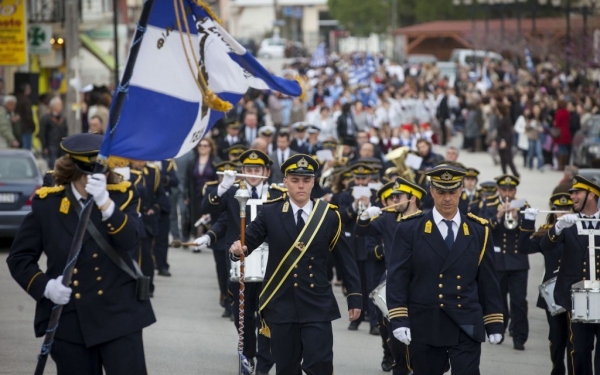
{"x": 13, "y": 33}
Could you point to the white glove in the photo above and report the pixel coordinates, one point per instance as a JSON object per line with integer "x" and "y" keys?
{"x": 96, "y": 186}
{"x": 531, "y": 213}
{"x": 202, "y": 241}
{"x": 565, "y": 221}
{"x": 403, "y": 335}
{"x": 370, "y": 213}
{"x": 56, "y": 292}
{"x": 495, "y": 338}
{"x": 228, "y": 180}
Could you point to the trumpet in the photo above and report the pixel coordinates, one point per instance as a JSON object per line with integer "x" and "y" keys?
{"x": 510, "y": 222}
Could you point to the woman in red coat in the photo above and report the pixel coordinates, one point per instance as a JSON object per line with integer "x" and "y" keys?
{"x": 562, "y": 139}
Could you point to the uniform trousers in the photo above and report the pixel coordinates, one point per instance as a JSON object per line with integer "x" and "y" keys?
{"x": 514, "y": 283}
{"x": 264, "y": 359}
{"x": 222, "y": 266}
{"x": 302, "y": 346}
{"x": 174, "y": 199}
{"x": 399, "y": 352}
{"x": 558, "y": 335}
{"x": 161, "y": 243}
{"x": 433, "y": 360}
{"x": 368, "y": 306}
{"x": 582, "y": 344}
{"x": 122, "y": 356}
{"x": 145, "y": 259}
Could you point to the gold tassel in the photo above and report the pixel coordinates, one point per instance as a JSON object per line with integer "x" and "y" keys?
{"x": 216, "y": 103}
{"x": 264, "y": 329}
{"x": 301, "y": 83}
{"x": 209, "y": 11}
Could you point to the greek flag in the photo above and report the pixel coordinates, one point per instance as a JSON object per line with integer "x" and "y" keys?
{"x": 189, "y": 71}
{"x": 529, "y": 61}
{"x": 361, "y": 74}
{"x": 319, "y": 58}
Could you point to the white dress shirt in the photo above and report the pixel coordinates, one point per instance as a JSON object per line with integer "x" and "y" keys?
{"x": 306, "y": 210}
{"x": 285, "y": 153}
{"x": 259, "y": 189}
{"x": 442, "y": 227}
{"x": 231, "y": 140}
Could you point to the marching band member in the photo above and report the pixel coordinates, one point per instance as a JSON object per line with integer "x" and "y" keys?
{"x": 512, "y": 266}
{"x": 442, "y": 290}
{"x": 574, "y": 268}
{"x": 380, "y": 226}
{"x": 469, "y": 199}
{"x": 297, "y": 303}
{"x": 222, "y": 200}
{"x": 530, "y": 243}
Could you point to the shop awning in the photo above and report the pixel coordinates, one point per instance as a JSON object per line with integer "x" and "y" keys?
{"x": 105, "y": 58}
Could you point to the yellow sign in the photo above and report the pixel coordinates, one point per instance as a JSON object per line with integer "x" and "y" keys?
{"x": 13, "y": 33}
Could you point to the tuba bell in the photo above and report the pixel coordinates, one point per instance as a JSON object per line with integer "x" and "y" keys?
{"x": 398, "y": 158}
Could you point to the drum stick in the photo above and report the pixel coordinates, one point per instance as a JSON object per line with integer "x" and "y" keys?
{"x": 177, "y": 243}
{"x": 245, "y": 175}
{"x": 395, "y": 205}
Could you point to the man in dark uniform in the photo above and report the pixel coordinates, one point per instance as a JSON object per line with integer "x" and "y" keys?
{"x": 574, "y": 269}
{"x": 297, "y": 302}
{"x": 469, "y": 199}
{"x": 168, "y": 180}
{"x": 530, "y": 243}
{"x": 380, "y": 225}
{"x": 442, "y": 290}
{"x": 233, "y": 153}
{"x": 299, "y": 142}
{"x": 512, "y": 266}
{"x": 222, "y": 200}
{"x": 232, "y": 138}
{"x": 102, "y": 319}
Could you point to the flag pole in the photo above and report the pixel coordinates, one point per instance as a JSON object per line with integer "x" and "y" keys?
{"x": 84, "y": 216}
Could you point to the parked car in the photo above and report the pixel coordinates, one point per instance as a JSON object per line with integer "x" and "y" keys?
{"x": 586, "y": 145}
{"x": 20, "y": 177}
{"x": 473, "y": 57}
{"x": 272, "y": 48}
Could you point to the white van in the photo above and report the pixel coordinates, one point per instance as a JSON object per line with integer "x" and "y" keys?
{"x": 272, "y": 48}
{"x": 473, "y": 56}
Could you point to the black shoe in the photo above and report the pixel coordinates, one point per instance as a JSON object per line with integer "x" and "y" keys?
{"x": 353, "y": 326}
{"x": 501, "y": 340}
{"x": 150, "y": 294}
{"x": 226, "y": 314}
{"x": 387, "y": 364}
{"x": 374, "y": 331}
{"x": 519, "y": 346}
{"x": 196, "y": 250}
{"x": 511, "y": 333}
{"x": 164, "y": 272}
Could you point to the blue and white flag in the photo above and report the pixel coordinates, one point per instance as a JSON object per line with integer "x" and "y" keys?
{"x": 529, "y": 61}
{"x": 361, "y": 74}
{"x": 319, "y": 58}
{"x": 164, "y": 114}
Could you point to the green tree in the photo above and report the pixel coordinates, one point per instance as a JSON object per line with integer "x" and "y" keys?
{"x": 362, "y": 17}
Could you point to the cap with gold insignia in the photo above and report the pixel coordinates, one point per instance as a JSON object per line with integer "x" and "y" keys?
{"x": 387, "y": 190}
{"x": 362, "y": 169}
{"x": 314, "y": 129}
{"x": 329, "y": 145}
{"x": 582, "y": 183}
{"x": 234, "y": 125}
{"x": 446, "y": 177}
{"x": 300, "y": 164}
{"x": 561, "y": 200}
{"x": 402, "y": 185}
{"x": 226, "y": 166}
{"x": 266, "y": 131}
{"x": 507, "y": 180}
{"x": 83, "y": 150}
{"x": 300, "y": 126}
{"x": 235, "y": 150}
{"x": 471, "y": 172}
{"x": 256, "y": 158}
{"x": 489, "y": 187}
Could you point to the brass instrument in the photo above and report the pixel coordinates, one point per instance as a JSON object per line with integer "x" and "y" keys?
{"x": 510, "y": 222}
{"x": 339, "y": 161}
{"x": 398, "y": 157}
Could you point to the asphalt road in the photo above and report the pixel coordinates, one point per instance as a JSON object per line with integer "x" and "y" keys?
{"x": 190, "y": 337}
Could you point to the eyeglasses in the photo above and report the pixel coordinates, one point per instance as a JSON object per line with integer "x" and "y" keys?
{"x": 204, "y": 145}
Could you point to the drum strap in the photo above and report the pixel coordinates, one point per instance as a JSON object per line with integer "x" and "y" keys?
{"x": 292, "y": 257}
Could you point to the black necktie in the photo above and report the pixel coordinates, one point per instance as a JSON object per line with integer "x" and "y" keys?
{"x": 281, "y": 158}
{"x": 300, "y": 222}
{"x": 450, "y": 236}
{"x": 254, "y": 193}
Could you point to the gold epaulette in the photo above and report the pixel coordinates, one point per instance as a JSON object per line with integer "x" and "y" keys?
{"x": 477, "y": 219}
{"x": 50, "y": 171}
{"x": 493, "y": 203}
{"x": 211, "y": 182}
{"x": 44, "y": 191}
{"x": 279, "y": 188}
{"x": 121, "y": 186}
{"x": 411, "y": 216}
{"x": 333, "y": 206}
{"x": 275, "y": 200}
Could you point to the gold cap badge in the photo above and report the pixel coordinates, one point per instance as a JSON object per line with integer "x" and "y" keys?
{"x": 446, "y": 177}
{"x": 302, "y": 163}
{"x": 574, "y": 181}
{"x": 507, "y": 180}
{"x": 563, "y": 200}
{"x": 253, "y": 156}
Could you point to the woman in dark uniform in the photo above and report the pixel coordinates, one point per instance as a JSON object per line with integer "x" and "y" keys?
{"x": 102, "y": 318}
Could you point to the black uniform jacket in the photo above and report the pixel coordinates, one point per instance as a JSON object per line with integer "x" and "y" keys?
{"x": 103, "y": 304}
{"x": 508, "y": 257}
{"x": 573, "y": 265}
{"x": 436, "y": 292}
{"x": 227, "y": 204}
{"x": 146, "y": 183}
{"x": 305, "y": 295}
{"x": 529, "y": 244}
{"x": 466, "y": 205}
{"x": 382, "y": 229}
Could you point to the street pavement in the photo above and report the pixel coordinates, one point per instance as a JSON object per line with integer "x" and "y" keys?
{"x": 190, "y": 336}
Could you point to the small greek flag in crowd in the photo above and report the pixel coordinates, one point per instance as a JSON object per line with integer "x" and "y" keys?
{"x": 361, "y": 74}
{"x": 486, "y": 78}
{"x": 188, "y": 72}
{"x": 319, "y": 58}
{"x": 529, "y": 61}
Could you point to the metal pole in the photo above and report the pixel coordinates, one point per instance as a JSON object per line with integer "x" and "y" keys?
{"x": 71, "y": 54}
{"x": 568, "y": 48}
{"x": 116, "y": 42}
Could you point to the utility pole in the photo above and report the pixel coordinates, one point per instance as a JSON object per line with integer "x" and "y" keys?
{"x": 71, "y": 55}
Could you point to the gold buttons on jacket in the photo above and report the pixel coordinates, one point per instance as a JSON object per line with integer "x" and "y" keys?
{"x": 503, "y": 251}
{"x": 457, "y": 297}
{"x": 584, "y": 270}
{"x": 441, "y": 275}
{"x": 75, "y": 271}
{"x": 442, "y": 305}
{"x": 310, "y": 267}
{"x": 458, "y": 287}
{"x": 75, "y": 282}
{"x": 295, "y": 275}
{"x": 584, "y": 263}
{"x": 458, "y": 277}
{"x": 96, "y": 269}
{"x": 441, "y": 296}
{"x": 296, "y": 285}
{"x": 459, "y": 305}
{"x": 311, "y": 275}
{"x": 312, "y": 285}
{"x": 296, "y": 266}
{"x": 441, "y": 286}
{"x": 77, "y": 296}
{"x": 99, "y": 278}
{"x": 95, "y": 255}
{"x": 100, "y": 292}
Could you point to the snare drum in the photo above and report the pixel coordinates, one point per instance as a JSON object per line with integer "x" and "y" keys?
{"x": 547, "y": 293}
{"x": 379, "y": 299}
{"x": 255, "y": 266}
{"x": 586, "y": 305}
